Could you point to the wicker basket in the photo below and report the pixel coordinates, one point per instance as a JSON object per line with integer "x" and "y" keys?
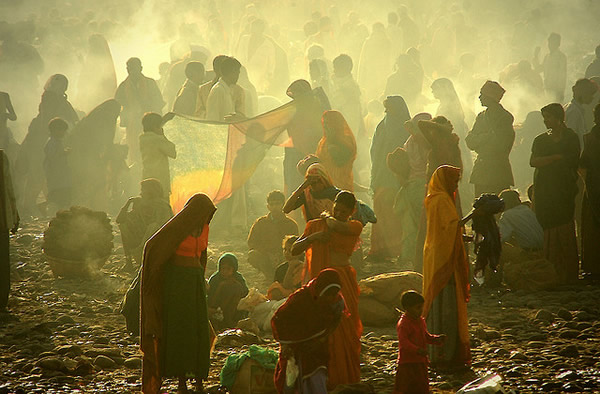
{"x": 73, "y": 268}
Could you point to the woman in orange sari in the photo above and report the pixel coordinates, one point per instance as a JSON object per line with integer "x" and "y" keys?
{"x": 329, "y": 243}
{"x": 175, "y": 332}
{"x": 446, "y": 270}
{"x": 337, "y": 149}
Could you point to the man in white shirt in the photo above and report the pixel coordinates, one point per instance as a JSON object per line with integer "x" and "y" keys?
{"x": 583, "y": 94}
{"x": 225, "y": 101}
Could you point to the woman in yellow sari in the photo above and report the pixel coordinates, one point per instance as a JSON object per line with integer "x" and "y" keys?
{"x": 446, "y": 270}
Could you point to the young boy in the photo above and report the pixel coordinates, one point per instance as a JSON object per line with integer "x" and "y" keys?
{"x": 288, "y": 275}
{"x": 267, "y": 233}
{"x": 226, "y": 288}
{"x": 56, "y": 167}
{"x": 156, "y": 150}
{"x": 412, "y": 375}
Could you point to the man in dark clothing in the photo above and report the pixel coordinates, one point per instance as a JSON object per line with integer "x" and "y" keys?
{"x": 492, "y": 138}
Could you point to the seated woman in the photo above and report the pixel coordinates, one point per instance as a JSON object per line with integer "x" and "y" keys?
{"x": 302, "y": 326}
{"x": 148, "y": 213}
{"x": 288, "y": 275}
{"x": 226, "y": 288}
{"x": 329, "y": 242}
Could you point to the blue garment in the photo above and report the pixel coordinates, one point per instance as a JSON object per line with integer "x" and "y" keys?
{"x": 520, "y": 222}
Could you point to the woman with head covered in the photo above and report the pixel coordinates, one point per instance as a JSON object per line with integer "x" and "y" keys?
{"x": 175, "y": 331}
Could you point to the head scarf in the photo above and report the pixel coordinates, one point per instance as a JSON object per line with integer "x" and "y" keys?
{"x": 326, "y": 279}
{"x": 493, "y": 90}
{"x": 317, "y": 169}
{"x": 228, "y": 259}
{"x": 303, "y": 164}
{"x": 443, "y": 180}
{"x": 398, "y": 106}
{"x": 338, "y": 129}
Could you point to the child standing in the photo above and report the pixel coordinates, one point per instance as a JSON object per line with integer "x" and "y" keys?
{"x": 56, "y": 166}
{"x": 412, "y": 375}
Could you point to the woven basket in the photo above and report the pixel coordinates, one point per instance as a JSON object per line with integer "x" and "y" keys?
{"x": 74, "y": 268}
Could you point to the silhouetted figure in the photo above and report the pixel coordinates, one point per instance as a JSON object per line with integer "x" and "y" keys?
{"x": 593, "y": 70}
{"x": 346, "y": 95}
{"x": 226, "y": 100}
{"x": 205, "y": 89}
{"x": 492, "y": 138}
{"x": 54, "y": 104}
{"x": 555, "y": 156}
{"x": 97, "y": 80}
{"x": 156, "y": 150}
{"x": 304, "y": 130}
{"x": 575, "y": 116}
{"x": 554, "y": 68}
{"x": 375, "y": 62}
{"x": 91, "y": 142}
{"x": 137, "y": 94}
{"x": 57, "y": 169}
{"x": 386, "y": 238}
{"x": 9, "y": 221}
{"x": 7, "y": 141}
{"x": 187, "y": 97}
{"x": 590, "y": 226}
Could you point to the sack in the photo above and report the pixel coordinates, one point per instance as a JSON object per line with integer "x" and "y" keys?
{"x": 374, "y": 313}
{"x": 387, "y": 288}
{"x": 250, "y": 372}
{"x": 263, "y": 313}
{"x": 531, "y": 275}
{"x": 250, "y": 302}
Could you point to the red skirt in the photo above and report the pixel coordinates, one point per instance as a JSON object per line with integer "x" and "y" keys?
{"x": 412, "y": 378}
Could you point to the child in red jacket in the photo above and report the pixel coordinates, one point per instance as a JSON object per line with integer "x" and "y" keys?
{"x": 412, "y": 375}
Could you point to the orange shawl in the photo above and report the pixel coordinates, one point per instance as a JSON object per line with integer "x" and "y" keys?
{"x": 337, "y": 135}
{"x": 444, "y": 253}
{"x": 317, "y": 255}
{"x": 159, "y": 249}
{"x": 344, "y": 342}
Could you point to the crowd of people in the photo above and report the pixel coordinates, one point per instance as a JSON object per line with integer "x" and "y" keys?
{"x": 365, "y": 126}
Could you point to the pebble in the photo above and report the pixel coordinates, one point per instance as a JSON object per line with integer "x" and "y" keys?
{"x": 544, "y": 315}
{"x": 569, "y": 351}
{"x": 564, "y": 314}
{"x": 133, "y": 363}
{"x": 104, "y": 362}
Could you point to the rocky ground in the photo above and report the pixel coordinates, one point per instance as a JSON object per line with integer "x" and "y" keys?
{"x": 66, "y": 335}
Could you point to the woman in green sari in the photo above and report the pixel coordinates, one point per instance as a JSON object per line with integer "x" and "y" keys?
{"x": 175, "y": 331}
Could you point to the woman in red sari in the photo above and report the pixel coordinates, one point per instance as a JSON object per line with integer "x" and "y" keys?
{"x": 329, "y": 243}
{"x": 302, "y": 325}
{"x": 337, "y": 149}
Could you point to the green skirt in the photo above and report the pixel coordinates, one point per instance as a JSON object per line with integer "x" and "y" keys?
{"x": 186, "y": 346}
